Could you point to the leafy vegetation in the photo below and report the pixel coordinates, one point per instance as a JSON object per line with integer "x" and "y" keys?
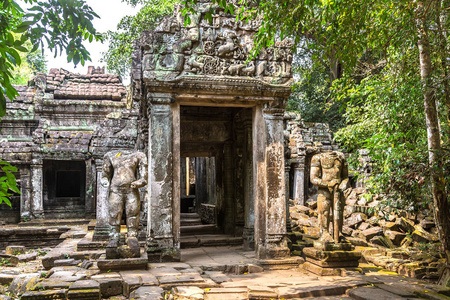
{"x": 58, "y": 25}
{"x": 118, "y": 56}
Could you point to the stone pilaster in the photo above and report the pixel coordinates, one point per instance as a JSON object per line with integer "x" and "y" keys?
{"x": 298, "y": 166}
{"x": 228, "y": 189}
{"x": 37, "y": 200}
{"x": 287, "y": 169}
{"x": 249, "y": 226}
{"x": 90, "y": 186}
{"x": 101, "y": 231}
{"x": 164, "y": 181}
{"x": 25, "y": 194}
{"x": 271, "y": 232}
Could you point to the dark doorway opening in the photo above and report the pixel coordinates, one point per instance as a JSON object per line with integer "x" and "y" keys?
{"x": 64, "y": 189}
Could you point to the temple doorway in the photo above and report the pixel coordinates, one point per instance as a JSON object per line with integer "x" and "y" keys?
{"x": 215, "y": 165}
{"x": 64, "y": 189}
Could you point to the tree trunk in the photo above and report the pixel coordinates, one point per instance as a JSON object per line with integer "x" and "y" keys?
{"x": 440, "y": 203}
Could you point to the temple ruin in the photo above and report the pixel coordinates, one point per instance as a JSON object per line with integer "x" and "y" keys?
{"x": 212, "y": 122}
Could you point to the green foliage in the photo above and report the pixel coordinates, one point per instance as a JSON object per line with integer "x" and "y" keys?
{"x": 60, "y": 25}
{"x": 118, "y": 56}
{"x": 311, "y": 93}
{"x": 32, "y": 63}
{"x": 8, "y": 182}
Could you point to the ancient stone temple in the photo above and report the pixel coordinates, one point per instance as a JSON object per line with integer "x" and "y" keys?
{"x": 201, "y": 96}
{"x": 56, "y": 133}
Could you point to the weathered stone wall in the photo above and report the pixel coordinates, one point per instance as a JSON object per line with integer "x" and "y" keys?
{"x": 302, "y": 141}
{"x": 63, "y": 117}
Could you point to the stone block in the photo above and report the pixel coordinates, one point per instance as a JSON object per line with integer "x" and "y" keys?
{"x": 331, "y": 255}
{"x": 255, "y": 269}
{"x": 355, "y": 219}
{"x": 110, "y": 287}
{"x": 368, "y": 234}
{"x": 130, "y": 283}
{"x": 6, "y": 278}
{"x": 66, "y": 262}
{"x": 363, "y": 226}
{"x": 421, "y": 236}
{"x": 217, "y": 277}
{"x": 120, "y": 264}
{"x": 44, "y": 295}
{"x": 181, "y": 279}
{"x": 87, "y": 294}
{"x": 7, "y": 260}
{"x": 27, "y": 257}
{"x": 226, "y": 293}
{"x": 148, "y": 293}
{"x": 321, "y": 271}
{"x": 372, "y": 293}
{"x": 382, "y": 241}
{"x": 23, "y": 283}
{"x": 84, "y": 285}
{"x": 405, "y": 225}
{"x": 15, "y": 250}
{"x": 261, "y": 292}
{"x": 188, "y": 293}
{"x": 333, "y": 264}
{"x": 395, "y": 236}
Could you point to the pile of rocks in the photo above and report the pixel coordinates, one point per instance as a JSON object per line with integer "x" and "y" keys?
{"x": 414, "y": 235}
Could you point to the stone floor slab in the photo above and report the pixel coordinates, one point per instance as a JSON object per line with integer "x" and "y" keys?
{"x": 188, "y": 293}
{"x": 148, "y": 293}
{"x": 44, "y": 295}
{"x": 372, "y": 293}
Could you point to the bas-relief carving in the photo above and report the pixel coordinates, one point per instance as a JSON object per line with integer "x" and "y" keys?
{"x": 220, "y": 48}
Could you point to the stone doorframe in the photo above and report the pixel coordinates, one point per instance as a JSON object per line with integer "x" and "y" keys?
{"x": 266, "y": 197}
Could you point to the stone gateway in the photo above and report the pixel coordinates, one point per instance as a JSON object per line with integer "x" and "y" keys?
{"x": 201, "y": 96}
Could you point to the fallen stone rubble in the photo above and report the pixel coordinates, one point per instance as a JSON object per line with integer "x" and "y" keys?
{"x": 399, "y": 242}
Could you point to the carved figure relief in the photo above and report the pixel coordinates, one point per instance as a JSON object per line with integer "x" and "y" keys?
{"x": 220, "y": 48}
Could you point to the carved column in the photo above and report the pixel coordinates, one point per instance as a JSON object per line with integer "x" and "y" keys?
{"x": 298, "y": 165}
{"x": 164, "y": 180}
{"x": 90, "y": 185}
{"x": 270, "y": 224}
{"x": 228, "y": 189}
{"x": 287, "y": 169}
{"x": 37, "y": 201}
{"x": 25, "y": 194}
{"x": 249, "y": 226}
{"x": 101, "y": 231}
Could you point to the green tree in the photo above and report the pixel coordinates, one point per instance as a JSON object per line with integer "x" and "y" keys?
{"x": 55, "y": 24}
{"x": 311, "y": 91}
{"x": 32, "y": 63}
{"x": 58, "y": 25}
{"x": 118, "y": 56}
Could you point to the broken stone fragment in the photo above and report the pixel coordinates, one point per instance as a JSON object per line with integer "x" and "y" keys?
{"x": 355, "y": 219}
{"x": 395, "y": 236}
{"x": 8, "y": 260}
{"x": 368, "y": 234}
{"x": 421, "y": 236}
{"x": 23, "y": 283}
{"x": 15, "y": 250}
{"x": 383, "y": 241}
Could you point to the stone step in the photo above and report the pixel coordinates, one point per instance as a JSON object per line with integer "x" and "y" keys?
{"x": 209, "y": 240}
{"x": 190, "y": 222}
{"x": 54, "y": 222}
{"x": 199, "y": 229}
{"x": 189, "y": 216}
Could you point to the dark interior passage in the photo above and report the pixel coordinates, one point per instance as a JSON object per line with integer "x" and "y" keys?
{"x": 64, "y": 187}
